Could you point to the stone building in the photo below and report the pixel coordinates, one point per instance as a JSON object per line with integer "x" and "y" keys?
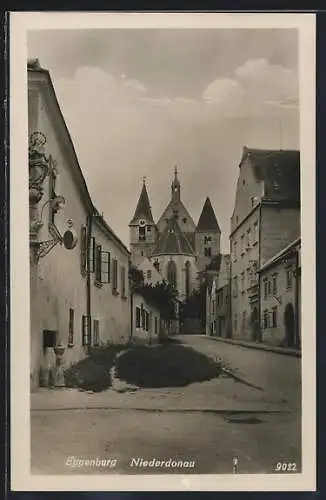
{"x": 280, "y": 297}
{"x": 178, "y": 248}
{"x": 266, "y": 217}
{"x": 218, "y": 304}
{"x": 79, "y": 288}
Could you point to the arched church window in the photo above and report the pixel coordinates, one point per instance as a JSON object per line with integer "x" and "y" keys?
{"x": 172, "y": 273}
{"x": 187, "y": 270}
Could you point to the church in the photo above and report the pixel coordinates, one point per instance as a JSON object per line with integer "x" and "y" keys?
{"x": 178, "y": 249}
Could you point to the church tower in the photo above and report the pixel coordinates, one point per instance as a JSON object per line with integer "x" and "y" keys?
{"x": 142, "y": 229}
{"x": 207, "y": 237}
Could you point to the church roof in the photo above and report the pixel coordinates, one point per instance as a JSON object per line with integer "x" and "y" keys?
{"x": 278, "y": 169}
{"x": 173, "y": 240}
{"x": 143, "y": 209}
{"x": 207, "y": 220}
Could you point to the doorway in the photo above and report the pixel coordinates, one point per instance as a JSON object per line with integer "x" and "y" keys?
{"x": 289, "y": 322}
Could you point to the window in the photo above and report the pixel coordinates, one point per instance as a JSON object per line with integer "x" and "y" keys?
{"x": 289, "y": 279}
{"x": 208, "y": 251}
{"x": 86, "y": 334}
{"x": 242, "y": 244}
{"x": 83, "y": 249}
{"x": 235, "y": 251}
{"x": 207, "y": 240}
{"x": 149, "y": 274}
{"x": 143, "y": 318}
{"x": 187, "y": 278}
{"x": 243, "y": 182}
{"x": 172, "y": 273}
{"x": 105, "y": 267}
{"x": 71, "y": 328}
{"x": 142, "y": 234}
{"x": 96, "y": 332}
{"x": 274, "y": 278}
{"x": 155, "y": 325}
{"x": 157, "y": 265}
{"x": 242, "y": 282}
{"x": 274, "y": 317}
{"x": 265, "y": 319}
{"x": 149, "y": 229}
{"x": 253, "y": 200}
{"x": 255, "y": 236}
{"x": 146, "y": 321}
{"x": 184, "y": 220}
{"x": 98, "y": 264}
{"x": 235, "y": 286}
{"x": 269, "y": 287}
{"x": 123, "y": 281}
{"x": 115, "y": 275}
{"x": 249, "y": 239}
{"x": 265, "y": 288}
{"x": 244, "y": 317}
{"x": 137, "y": 317}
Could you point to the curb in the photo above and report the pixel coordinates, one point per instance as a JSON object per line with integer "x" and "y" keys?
{"x": 262, "y": 347}
{"x": 168, "y": 410}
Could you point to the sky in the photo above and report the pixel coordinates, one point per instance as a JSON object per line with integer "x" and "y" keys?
{"x": 138, "y": 102}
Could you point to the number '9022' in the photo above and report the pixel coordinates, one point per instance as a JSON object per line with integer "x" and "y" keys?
{"x": 286, "y": 467}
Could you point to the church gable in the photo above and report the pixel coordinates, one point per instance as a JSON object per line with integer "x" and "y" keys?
{"x": 185, "y": 221}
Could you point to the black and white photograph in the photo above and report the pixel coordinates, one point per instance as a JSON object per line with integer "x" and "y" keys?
{"x": 162, "y": 192}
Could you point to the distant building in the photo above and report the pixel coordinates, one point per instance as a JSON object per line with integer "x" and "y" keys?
{"x": 266, "y": 218}
{"x": 280, "y": 297}
{"x": 79, "y": 297}
{"x": 175, "y": 245}
{"x": 218, "y": 304}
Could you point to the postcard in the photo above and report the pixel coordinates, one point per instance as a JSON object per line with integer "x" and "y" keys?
{"x": 162, "y": 251}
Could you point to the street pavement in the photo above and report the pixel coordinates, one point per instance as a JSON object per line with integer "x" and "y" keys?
{"x": 276, "y": 374}
{"x": 209, "y": 422}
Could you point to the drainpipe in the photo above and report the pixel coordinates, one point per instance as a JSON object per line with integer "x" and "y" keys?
{"x": 88, "y": 276}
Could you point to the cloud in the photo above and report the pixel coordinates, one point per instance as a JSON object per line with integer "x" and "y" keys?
{"x": 255, "y": 84}
{"x": 121, "y": 133}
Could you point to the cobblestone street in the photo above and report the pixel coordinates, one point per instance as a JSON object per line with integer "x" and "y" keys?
{"x": 208, "y": 422}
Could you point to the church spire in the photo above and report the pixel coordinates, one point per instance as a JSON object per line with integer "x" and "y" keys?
{"x": 175, "y": 187}
{"x": 143, "y": 209}
{"x": 207, "y": 220}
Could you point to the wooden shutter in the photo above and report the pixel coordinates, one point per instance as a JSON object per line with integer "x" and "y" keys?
{"x": 71, "y": 327}
{"x": 83, "y": 248}
{"x": 137, "y": 317}
{"x": 84, "y": 330}
{"x": 106, "y": 266}
{"x": 123, "y": 281}
{"x": 91, "y": 255}
{"x": 98, "y": 263}
{"x": 115, "y": 274}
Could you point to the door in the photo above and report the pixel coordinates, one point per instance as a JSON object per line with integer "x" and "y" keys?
{"x": 255, "y": 325}
{"x": 289, "y": 325}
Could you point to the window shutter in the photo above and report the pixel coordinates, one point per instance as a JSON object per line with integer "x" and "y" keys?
{"x": 105, "y": 265}
{"x": 84, "y": 331}
{"x": 98, "y": 263}
{"x": 83, "y": 248}
{"x": 92, "y": 255}
{"x": 137, "y": 317}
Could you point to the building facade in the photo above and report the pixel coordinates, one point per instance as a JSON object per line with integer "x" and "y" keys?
{"x": 146, "y": 321}
{"x": 218, "y": 304}
{"x": 280, "y": 298}
{"x": 266, "y": 218}
{"x": 76, "y": 260}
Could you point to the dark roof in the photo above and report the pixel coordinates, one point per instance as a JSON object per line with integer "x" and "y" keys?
{"x": 33, "y": 66}
{"x": 278, "y": 169}
{"x": 207, "y": 220}
{"x": 143, "y": 209}
{"x": 173, "y": 240}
